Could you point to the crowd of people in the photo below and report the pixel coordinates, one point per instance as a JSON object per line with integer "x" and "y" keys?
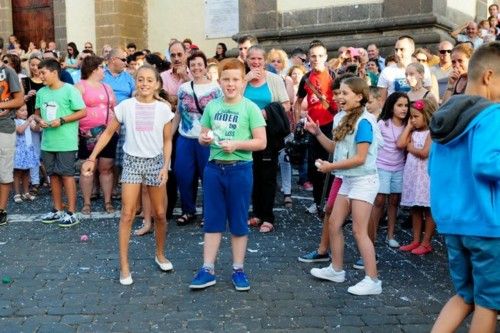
{"x": 146, "y": 127}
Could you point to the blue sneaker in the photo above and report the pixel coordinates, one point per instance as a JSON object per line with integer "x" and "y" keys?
{"x": 361, "y": 265}
{"x": 203, "y": 279}
{"x": 240, "y": 280}
{"x": 314, "y": 256}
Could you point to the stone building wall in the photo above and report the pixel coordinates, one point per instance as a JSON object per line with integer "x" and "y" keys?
{"x": 5, "y": 19}
{"x": 380, "y": 22}
{"x": 119, "y": 22}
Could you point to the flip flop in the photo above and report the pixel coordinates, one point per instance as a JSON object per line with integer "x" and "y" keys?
{"x": 254, "y": 222}
{"x": 266, "y": 227}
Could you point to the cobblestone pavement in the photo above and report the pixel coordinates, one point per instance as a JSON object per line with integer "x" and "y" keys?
{"x": 60, "y": 284}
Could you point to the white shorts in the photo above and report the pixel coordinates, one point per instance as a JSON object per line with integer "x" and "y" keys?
{"x": 390, "y": 181}
{"x": 364, "y": 188}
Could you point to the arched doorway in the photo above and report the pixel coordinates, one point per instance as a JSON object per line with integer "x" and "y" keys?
{"x": 33, "y": 20}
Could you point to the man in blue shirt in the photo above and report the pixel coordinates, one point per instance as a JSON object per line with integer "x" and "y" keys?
{"x": 115, "y": 75}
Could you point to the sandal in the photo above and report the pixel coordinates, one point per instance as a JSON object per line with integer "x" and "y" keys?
{"x": 86, "y": 209}
{"x": 185, "y": 219}
{"x": 288, "y": 201}
{"x": 18, "y": 198}
{"x": 108, "y": 207}
{"x": 254, "y": 222}
{"x": 266, "y": 227}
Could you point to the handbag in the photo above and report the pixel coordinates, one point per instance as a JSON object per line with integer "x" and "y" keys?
{"x": 95, "y": 132}
{"x": 200, "y": 110}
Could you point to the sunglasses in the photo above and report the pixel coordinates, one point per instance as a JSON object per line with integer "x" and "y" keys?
{"x": 122, "y": 59}
{"x": 5, "y": 61}
{"x": 444, "y": 51}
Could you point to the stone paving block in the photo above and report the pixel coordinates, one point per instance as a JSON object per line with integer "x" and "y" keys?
{"x": 76, "y": 319}
{"x": 344, "y": 329}
{"x": 371, "y": 320}
{"x": 421, "y": 328}
{"x": 56, "y": 328}
{"x": 382, "y": 328}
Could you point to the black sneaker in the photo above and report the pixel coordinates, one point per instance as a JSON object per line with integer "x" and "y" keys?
{"x": 3, "y": 217}
{"x": 68, "y": 220}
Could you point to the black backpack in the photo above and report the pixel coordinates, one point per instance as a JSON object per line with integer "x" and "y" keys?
{"x": 296, "y": 145}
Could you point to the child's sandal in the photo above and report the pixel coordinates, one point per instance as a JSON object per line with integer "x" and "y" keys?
{"x": 18, "y": 198}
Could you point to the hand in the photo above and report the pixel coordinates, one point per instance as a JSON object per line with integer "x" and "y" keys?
{"x": 42, "y": 123}
{"x": 55, "y": 123}
{"x": 31, "y": 118}
{"x": 254, "y": 74}
{"x": 228, "y": 146}
{"x": 311, "y": 126}
{"x": 163, "y": 176}
{"x": 87, "y": 168}
{"x": 31, "y": 93}
{"x": 205, "y": 139}
{"x": 323, "y": 166}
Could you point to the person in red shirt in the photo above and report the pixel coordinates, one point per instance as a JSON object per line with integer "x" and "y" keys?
{"x": 316, "y": 86}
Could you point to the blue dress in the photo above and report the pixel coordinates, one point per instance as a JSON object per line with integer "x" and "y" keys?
{"x": 25, "y": 157}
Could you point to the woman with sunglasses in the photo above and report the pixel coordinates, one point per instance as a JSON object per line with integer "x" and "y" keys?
{"x": 71, "y": 61}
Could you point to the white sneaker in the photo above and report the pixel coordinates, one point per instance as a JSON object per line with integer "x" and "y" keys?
{"x": 392, "y": 243}
{"x": 313, "y": 209}
{"x": 328, "y": 273}
{"x": 366, "y": 287}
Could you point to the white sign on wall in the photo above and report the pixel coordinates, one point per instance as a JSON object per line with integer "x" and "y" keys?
{"x": 221, "y": 18}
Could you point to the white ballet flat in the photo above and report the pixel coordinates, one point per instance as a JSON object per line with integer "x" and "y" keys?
{"x": 126, "y": 281}
{"x": 164, "y": 266}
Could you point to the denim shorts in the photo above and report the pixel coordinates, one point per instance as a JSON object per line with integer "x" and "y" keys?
{"x": 390, "y": 181}
{"x": 363, "y": 188}
{"x": 142, "y": 170}
{"x": 227, "y": 191}
{"x": 475, "y": 269}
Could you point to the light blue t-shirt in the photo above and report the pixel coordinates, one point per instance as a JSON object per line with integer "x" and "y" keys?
{"x": 123, "y": 84}
{"x": 259, "y": 95}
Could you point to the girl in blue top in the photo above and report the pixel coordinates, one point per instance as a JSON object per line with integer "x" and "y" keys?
{"x": 355, "y": 152}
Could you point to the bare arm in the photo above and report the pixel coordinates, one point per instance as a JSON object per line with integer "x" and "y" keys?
{"x": 296, "y": 109}
{"x": 22, "y": 128}
{"x": 421, "y": 153}
{"x": 167, "y": 152}
{"x": 315, "y": 130}
{"x": 383, "y": 93}
{"x": 72, "y": 117}
{"x": 355, "y": 161}
{"x": 405, "y": 137}
{"x": 459, "y": 30}
{"x": 14, "y": 103}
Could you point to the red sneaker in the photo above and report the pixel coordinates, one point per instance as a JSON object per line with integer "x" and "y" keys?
{"x": 410, "y": 247}
{"x": 422, "y": 249}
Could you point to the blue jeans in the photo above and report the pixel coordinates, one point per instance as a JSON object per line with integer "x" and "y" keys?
{"x": 190, "y": 161}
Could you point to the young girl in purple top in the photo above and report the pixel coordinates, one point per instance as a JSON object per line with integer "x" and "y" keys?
{"x": 390, "y": 164}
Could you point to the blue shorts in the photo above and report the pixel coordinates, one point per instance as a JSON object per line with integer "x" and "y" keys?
{"x": 227, "y": 189}
{"x": 475, "y": 269}
{"x": 390, "y": 181}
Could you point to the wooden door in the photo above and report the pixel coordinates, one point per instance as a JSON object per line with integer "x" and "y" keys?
{"x": 33, "y": 20}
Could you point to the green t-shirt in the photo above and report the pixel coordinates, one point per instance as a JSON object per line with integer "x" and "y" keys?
{"x": 231, "y": 122}
{"x": 54, "y": 104}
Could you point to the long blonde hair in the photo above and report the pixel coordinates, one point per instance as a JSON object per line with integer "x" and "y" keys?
{"x": 348, "y": 123}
